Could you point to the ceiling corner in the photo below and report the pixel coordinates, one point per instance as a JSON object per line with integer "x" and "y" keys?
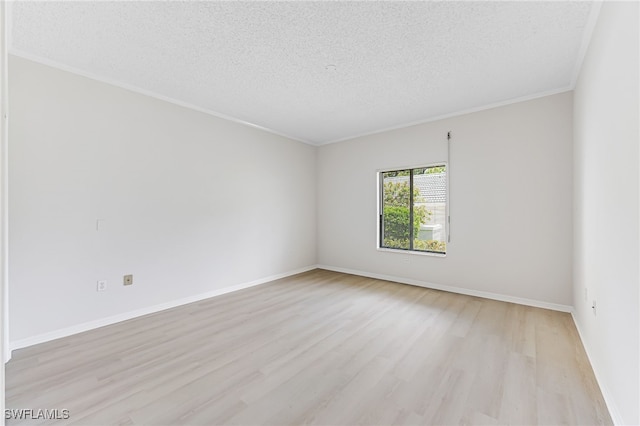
{"x": 592, "y": 20}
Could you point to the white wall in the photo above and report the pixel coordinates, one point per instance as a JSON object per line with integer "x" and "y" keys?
{"x": 606, "y": 195}
{"x": 190, "y": 203}
{"x": 4, "y": 346}
{"x": 510, "y": 181}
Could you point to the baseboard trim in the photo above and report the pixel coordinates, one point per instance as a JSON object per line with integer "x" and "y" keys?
{"x": 608, "y": 399}
{"x": 91, "y": 325}
{"x": 451, "y": 289}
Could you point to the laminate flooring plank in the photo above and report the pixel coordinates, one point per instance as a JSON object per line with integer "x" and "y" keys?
{"x": 321, "y": 348}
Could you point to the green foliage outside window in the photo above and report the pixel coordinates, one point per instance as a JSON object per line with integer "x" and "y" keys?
{"x": 396, "y": 211}
{"x": 397, "y": 215}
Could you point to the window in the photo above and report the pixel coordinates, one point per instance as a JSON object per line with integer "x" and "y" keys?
{"x": 416, "y": 196}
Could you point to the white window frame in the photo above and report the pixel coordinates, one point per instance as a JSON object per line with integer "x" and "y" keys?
{"x": 379, "y": 212}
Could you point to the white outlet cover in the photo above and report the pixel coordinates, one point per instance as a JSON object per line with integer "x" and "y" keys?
{"x": 101, "y": 286}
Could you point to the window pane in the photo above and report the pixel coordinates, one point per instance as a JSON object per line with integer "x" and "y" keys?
{"x": 395, "y": 209}
{"x": 430, "y": 209}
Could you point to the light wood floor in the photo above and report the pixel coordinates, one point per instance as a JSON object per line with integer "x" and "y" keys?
{"x": 320, "y": 348}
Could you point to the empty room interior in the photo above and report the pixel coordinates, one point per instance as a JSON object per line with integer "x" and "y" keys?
{"x": 329, "y": 212}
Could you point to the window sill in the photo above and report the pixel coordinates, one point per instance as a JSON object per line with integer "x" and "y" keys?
{"x": 413, "y": 252}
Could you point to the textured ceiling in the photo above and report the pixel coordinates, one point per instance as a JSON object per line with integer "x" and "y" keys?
{"x": 314, "y": 71}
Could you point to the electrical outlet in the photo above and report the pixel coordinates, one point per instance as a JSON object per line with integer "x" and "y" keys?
{"x": 102, "y": 285}
{"x": 593, "y": 306}
{"x": 128, "y": 280}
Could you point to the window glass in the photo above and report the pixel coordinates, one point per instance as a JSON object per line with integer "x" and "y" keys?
{"x": 413, "y": 212}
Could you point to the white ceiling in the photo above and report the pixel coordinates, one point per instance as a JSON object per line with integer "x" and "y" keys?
{"x": 320, "y": 71}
